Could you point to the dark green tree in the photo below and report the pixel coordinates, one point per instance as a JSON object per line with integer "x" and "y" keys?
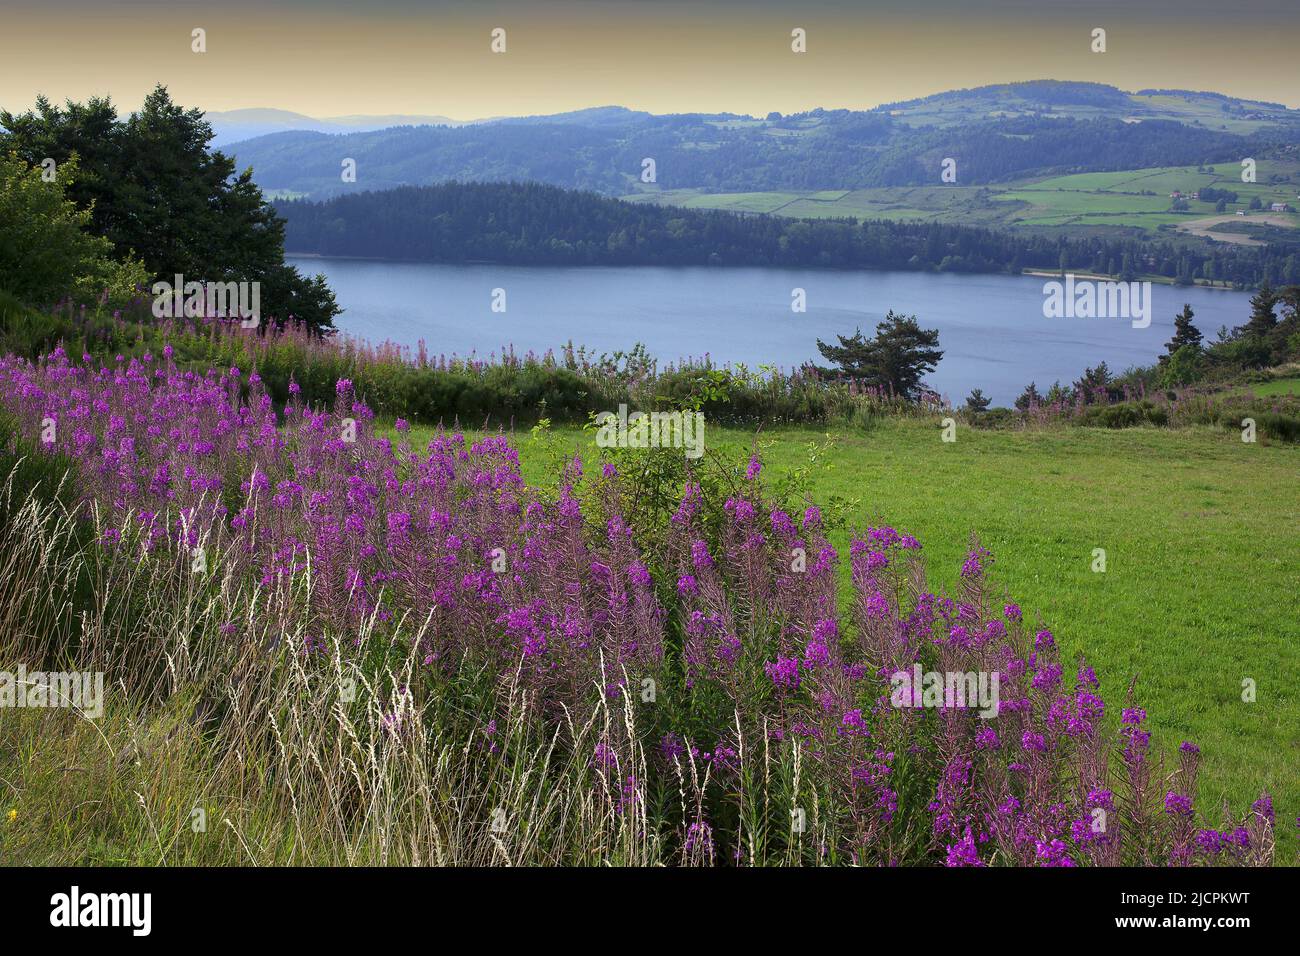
{"x": 1290, "y": 300}
{"x": 1095, "y": 384}
{"x": 896, "y": 360}
{"x": 156, "y": 192}
{"x": 1029, "y": 398}
{"x": 977, "y": 401}
{"x": 1288, "y": 327}
{"x": 1262, "y": 319}
{"x": 1185, "y": 333}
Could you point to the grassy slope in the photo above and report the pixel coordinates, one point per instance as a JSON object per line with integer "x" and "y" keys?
{"x": 1086, "y": 199}
{"x": 1279, "y": 386}
{"x": 1202, "y": 540}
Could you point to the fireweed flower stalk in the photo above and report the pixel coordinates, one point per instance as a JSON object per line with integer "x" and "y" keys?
{"x": 448, "y": 535}
{"x": 769, "y": 698}
{"x": 711, "y": 645}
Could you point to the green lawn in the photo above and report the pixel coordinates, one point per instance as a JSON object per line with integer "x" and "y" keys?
{"x": 1279, "y": 386}
{"x": 1202, "y": 541}
{"x": 1098, "y": 200}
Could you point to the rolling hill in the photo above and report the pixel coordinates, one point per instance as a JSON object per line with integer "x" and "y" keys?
{"x": 996, "y": 134}
{"x": 232, "y": 126}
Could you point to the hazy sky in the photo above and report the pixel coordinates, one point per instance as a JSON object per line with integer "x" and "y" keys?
{"x": 400, "y": 56}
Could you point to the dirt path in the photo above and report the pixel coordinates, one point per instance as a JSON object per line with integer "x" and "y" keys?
{"x": 1202, "y": 227}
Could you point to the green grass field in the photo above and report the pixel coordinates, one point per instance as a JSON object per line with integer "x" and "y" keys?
{"x": 1202, "y": 541}
{"x": 1096, "y": 200}
{"x": 1279, "y": 386}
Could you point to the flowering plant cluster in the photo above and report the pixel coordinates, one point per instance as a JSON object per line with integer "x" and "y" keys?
{"x": 756, "y": 657}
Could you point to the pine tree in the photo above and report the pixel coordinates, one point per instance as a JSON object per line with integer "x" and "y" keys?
{"x": 1059, "y": 394}
{"x": 1290, "y": 299}
{"x": 1262, "y": 320}
{"x": 896, "y": 360}
{"x": 1094, "y": 384}
{"x": 1029, "y": 398}
{"x": 1185, "y": 333}
{"x": 977, "y": 401}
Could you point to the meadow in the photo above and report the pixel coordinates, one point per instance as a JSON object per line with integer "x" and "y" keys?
{"x": 1279, "y": 386}
{"x": 1202, "y": 543}
{"x": 1098, "y": 200}
{"x": 314, "y": 657}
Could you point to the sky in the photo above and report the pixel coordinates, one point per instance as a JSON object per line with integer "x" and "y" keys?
{"x": 328, "y": 58}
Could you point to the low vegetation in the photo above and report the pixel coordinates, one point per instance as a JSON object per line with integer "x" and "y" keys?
{"x": 325, "y": 644}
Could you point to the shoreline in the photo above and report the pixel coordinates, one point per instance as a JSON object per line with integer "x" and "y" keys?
{"x": 1094, "y": 277}
{"x": 1036, "y": 273}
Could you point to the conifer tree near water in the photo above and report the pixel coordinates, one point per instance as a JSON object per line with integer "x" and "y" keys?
{"x": 1029, "y": 398}
{"x": 1185, "y": 333}
{"x": 977, "y": 401}
{"x": 896, "y": 360}
{"x": 1262, "y": 318}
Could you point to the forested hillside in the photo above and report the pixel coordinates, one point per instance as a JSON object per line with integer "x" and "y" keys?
{"x": 533, "y": 223}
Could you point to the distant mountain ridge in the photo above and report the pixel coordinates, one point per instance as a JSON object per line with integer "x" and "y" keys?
{"x": 233, "y": 126}
{"x": 1082, "y": 100}
{"x": 995, "y": 133}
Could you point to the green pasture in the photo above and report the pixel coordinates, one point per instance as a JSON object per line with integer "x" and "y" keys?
{"x": 1201, "y": 534}
{"x": 1096, "y": 200}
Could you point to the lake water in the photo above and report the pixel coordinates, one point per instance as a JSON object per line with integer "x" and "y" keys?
{"x": 991, "y": 327}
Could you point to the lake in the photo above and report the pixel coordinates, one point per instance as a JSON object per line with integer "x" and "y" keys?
{"x": 991, "y": 327}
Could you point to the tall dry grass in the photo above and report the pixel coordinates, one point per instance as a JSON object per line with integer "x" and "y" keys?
{"x": 221, "y": 752}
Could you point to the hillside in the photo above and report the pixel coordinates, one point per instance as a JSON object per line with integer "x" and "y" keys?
{"x": 1084, "y": 101}
{"x": 996, "y": 134}
{"x": 1127, "y": 203}
{"x": 531, "y": 223}
{"x": 233, "y": 126}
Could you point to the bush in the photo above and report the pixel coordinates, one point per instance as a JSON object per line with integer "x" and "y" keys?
{"x": 995, "y": 418}
{"x": 45, "y": 251}
{"x": 1123, "y": 415}
{"x": 1278, "y": 426}
{"x": 1185, "y": 367}
{"x": 1247, "y": 352}
{"x": 26, "y": 331}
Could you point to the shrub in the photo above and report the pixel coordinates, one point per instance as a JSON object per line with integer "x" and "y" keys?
{"x": 1279, "y": 426}
{"x": 27, "y": 331}
{"x": 45, "y": 251}
{"x": 1184, "y": 367}
{"x": 995, "y": 418}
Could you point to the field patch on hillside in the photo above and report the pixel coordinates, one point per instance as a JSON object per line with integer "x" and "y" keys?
{"x": 1133, "y": 199}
